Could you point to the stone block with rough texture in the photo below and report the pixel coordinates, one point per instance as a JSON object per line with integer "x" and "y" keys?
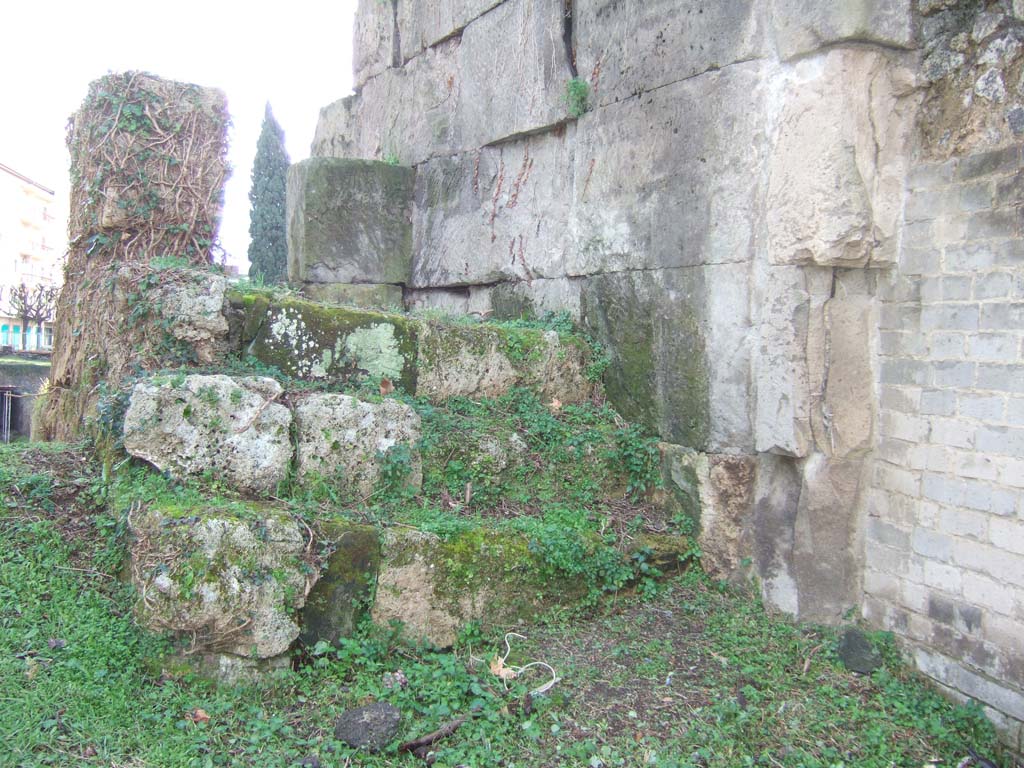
{"x": 341, "y": 439}
{"x": 626, "y": 48}
{"x": 349, "y": 221}
{"x": 230, "y": 427}
{"x": 803, "y": 26}
{"x": 424, "y": 24}
{"x": 363, "y": 295}
{"x": 191, "y": 304}
{"x": 229, "y": 580}
{"x": 835, "y": 183}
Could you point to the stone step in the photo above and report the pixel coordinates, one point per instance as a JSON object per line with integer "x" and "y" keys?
{"x": 437, "y": 359}
{"x": 240, "y": 583}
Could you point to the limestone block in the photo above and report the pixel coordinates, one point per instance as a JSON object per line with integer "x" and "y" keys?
{"x": 803, "y": 26}
{"x": 626, "y": 48}
{"x": 374, "y": 41}
{"x": 409, "y": 113}
{"x": 228, "y": 579}
{"x": 679, "y": 340}
{"x": 776, "y": 498}
{"x": 340, "y": 439}
{"x": 718, "y": 491}
{"x": 828, "y": 546}
{"x": 843, "y": 424}
{"x": 505, "y": 75}
{"x": 192, "y": 306}
{"x": 782, "y": 420}
{"x": 535, "y": 298}
{"x": 840, "y": 156}
{"x": 349, "y": 221}
{"x": 342, "y": 593}
{"x": 500, "y": 213}
{"x": 483, "y": 361}
{"x": 334, "y": 135}
{"x": 190, "y": 425}
{"x": 423, "y": 24}
{"x": 435, "y": 586}
{"x": 316, "y": 341}
{"x": 364, "y": 295}
{"x": 686, "y": 194}
{"x": 513, "y": 69}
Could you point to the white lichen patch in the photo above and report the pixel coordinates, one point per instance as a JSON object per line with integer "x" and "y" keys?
{"x": 375, "y": 350}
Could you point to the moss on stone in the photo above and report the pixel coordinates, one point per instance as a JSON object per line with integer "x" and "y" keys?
{"x": 342, "y": 593}
{"x": 308, "y": 340}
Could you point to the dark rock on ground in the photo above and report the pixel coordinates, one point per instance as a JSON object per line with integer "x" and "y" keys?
{"x": 371, "y": 727}
{"x": 857, "y": 653}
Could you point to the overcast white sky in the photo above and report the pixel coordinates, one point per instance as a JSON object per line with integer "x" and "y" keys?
{"x": 297, "y": 55}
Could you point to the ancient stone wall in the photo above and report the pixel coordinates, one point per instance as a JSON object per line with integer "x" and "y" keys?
{"x": 738, "y": 218}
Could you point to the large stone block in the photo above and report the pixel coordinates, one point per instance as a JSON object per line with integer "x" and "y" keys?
{"x": 503, "y": 76}
{"x": 844, "y": 420}
{"x": 679, "y": 343}
{"x": 349, "y": 221}
{"x": 513, "y": 71}
{"x": 840, "y": 156}
{"x": 498, "y": 214}
{"x": 828, "y": 557}
{"x": 423, "y": 24}
{"x": 628, "y": 47}
{"x": 803, "y": 26}
{"x": 228, "y": 580}
{"x": 342, "y": 440}
{"x": 191, "y": 304}
{"x": 671, "y": 178}
{"x": 314, "y": 341}
{"x": 191, "y": 425}
{"x": 375, "y": 43}
{"x": 717, "y": 491}
{"x": 776, "y": 498}
{"x": 342, "y": 594}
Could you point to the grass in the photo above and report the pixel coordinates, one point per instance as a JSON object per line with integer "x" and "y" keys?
{"x": 699, "y": 675}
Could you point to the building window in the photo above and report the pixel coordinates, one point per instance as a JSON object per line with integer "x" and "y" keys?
{"x": 5, "y": 335}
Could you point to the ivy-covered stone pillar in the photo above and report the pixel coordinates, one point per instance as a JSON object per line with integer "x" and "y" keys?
{"x": 148, "y": 165}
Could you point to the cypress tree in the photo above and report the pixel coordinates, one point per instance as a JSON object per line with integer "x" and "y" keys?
{"x": 268, "y": 248}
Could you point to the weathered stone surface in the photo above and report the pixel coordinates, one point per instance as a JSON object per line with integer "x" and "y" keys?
{"x": 349, "y": 221}
{"x": 690, "y": 197}
{"x": 845, "y": 419}
{"x": 505, "y": 75}
{"x": 513, "y": 67}
{"x": 835, "y": 187}
{"x": 500, "y": 213}
{"x": 803, "y": 26}
{"x": 717, "y": 491}
{"x": 783, "y": 297}
{"x": 314, "y": 341}
{"x": 338, "y": 439}
{"x": 191, "y": 304}
{"x": 371, "y": 727}
{"x": 827, "y": 546}
{"x": 435, "y": 586}
{"x": 364, "y": 296}
{"x": 857, "y": 653}
{"x": 485, "y": 361}
{"x": 342, "y": 593}
{"x": 536, "y": 298}
{"x": 776, "y": 497}
{"x": 659, "y": 327}
{"x": 627, "y": 48}
{"x": 425, "y": 24}
{"x": 374, "y": 46}
{"x": 229, "y": 579}
{"x": 191, "y": 425}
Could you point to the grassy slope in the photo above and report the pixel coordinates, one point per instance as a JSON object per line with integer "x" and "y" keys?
{"x": 696, "y": 676}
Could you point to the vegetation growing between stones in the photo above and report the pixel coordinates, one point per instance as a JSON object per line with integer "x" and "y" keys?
{"x": 698, "y": 676}
{"x": 577, "y": 97}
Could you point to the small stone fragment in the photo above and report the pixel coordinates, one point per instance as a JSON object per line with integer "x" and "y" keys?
{"x": 857, "y": 653}
{"x": 990, "y": 86}
{"x": 371, "y": 727}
